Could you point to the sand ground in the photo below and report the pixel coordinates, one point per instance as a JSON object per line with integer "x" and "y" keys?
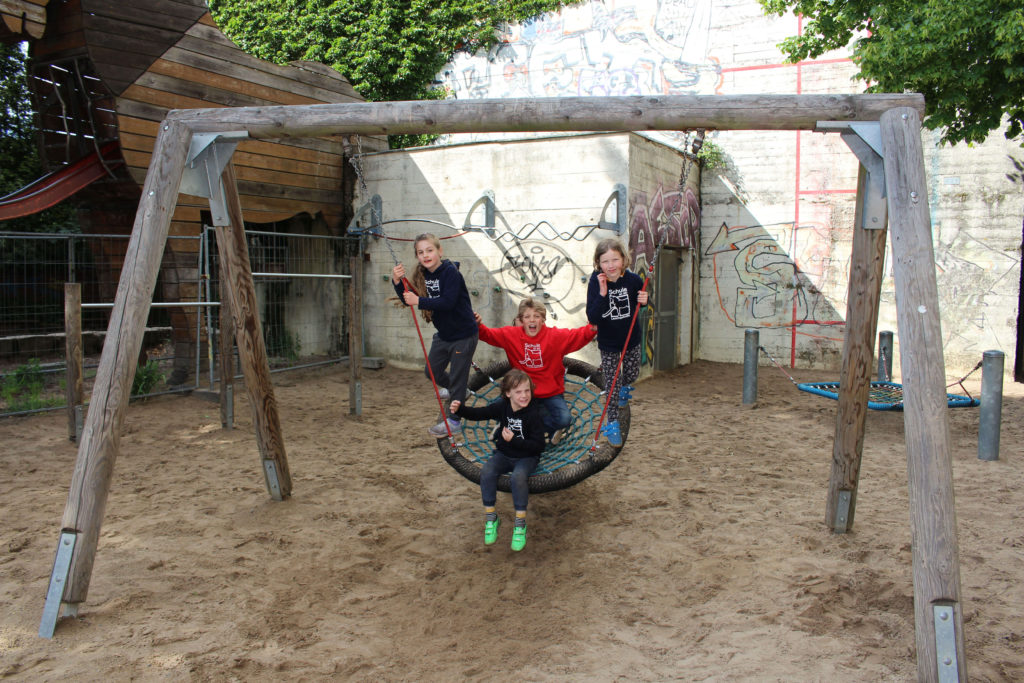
{"x": 699, "y": 554}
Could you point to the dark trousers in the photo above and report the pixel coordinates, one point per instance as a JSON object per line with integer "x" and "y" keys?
{"x": 451, "y": 363}
{"x": 499, "y": 464}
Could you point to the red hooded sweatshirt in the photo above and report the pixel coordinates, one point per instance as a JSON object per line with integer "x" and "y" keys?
{"x": 540, "y": 357}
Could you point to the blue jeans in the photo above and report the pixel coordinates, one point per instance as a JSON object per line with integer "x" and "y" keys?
{"x": 556, "y": 412}
{"x": 499, "y": 464}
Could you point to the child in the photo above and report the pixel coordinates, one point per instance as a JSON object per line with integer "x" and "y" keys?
{"x": 612, "y": 297}
{"x": 537, "y": 350}
{"x": 518, "y": 443}
{"x": 440, "y": 293}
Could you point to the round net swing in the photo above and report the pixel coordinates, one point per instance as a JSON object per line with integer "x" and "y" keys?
{"x": 561, "y": 466}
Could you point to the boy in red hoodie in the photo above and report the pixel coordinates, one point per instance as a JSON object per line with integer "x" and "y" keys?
{"x": 537, "y": 350}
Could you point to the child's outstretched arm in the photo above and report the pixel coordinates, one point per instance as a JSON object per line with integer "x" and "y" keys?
{"x": 487, "y": 412}
{"x": 579, "y": 337}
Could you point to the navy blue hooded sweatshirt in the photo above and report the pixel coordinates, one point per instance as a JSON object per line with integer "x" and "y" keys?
{"x": 448, "y": 301}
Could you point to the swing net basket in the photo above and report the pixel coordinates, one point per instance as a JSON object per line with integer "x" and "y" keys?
{"x": 883, "y": 395}
{"x": 561, "y": 466}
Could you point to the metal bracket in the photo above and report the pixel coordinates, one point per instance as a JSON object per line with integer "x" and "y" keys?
{"x": 864, "y": 138}
{"x": 79, "y": 422}
{"x": 273, "y": 483}
{"x": 356, "y": 399}
{"x": 487, "y": 199}
{"x": 58, "y": 582}
{"x": 229, "y": 400}
{"x": 359, "y": 226}
{"x": 618, "y": 196}
{"x": 843, "y": 512}
{"x": 208, "y": 155}
{"x": 945, "y": 643}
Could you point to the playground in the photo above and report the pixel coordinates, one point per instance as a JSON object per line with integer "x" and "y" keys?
{"x": 700, "y": 553}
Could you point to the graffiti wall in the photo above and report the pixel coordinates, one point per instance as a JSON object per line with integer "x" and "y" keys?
{"x": 777, "y": 214}
{"x": 546, "y": 224}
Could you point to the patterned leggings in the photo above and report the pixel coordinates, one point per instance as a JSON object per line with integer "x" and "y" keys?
{"x": 627, "y": 375}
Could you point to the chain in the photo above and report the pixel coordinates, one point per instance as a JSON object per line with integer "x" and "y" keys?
{"x": 355, "y": 161}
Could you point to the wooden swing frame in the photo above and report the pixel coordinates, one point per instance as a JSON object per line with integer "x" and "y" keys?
{"x": 198, "y": 143}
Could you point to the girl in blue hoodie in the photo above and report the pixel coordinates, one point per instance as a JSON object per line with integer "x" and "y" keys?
{"x": 439, "y": 292}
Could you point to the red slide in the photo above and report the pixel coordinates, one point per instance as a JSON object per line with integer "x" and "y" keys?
{"x": 55, "y": 187}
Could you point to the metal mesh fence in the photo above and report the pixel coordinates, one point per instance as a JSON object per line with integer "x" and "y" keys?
{"x": 301, "y": 291}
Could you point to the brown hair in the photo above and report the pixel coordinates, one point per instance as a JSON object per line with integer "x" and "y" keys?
{"x": 512, "y": 379}
{"x": 610, "y": 244}
{"x": 529, "y": 303}
{"x": 419, "y": 283}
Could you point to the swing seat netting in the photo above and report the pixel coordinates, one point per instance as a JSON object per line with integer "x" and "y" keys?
{"x": 883, "y": 395}
{"x": 561, "y": 466}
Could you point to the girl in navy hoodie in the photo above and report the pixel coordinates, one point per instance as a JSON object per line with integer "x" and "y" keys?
{"x": 440, "y": 293}
{"x": 518, "y": 442}
{"x": 613, "y": 295}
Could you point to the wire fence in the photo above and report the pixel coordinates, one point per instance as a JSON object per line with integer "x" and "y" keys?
{"x": 300, "y": 286}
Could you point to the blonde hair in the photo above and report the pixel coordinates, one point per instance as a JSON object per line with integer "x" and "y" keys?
{"x": 529, "y": 303}
{"x": 512, "y": 379}
{"x": 419, "y": 282}
{"x": 610, "y": 244}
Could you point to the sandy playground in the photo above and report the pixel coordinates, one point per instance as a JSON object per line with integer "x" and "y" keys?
{"x": 699, "y": 554}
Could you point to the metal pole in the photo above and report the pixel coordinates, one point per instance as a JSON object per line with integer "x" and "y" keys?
{"x": 885, "y": 356}
{"x": 750, "y": 349}
{"x": 991, "y": 410}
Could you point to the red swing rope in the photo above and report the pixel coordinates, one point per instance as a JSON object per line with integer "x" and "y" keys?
{"x": 426, "y": 359}
{"x": 622, "y": 355}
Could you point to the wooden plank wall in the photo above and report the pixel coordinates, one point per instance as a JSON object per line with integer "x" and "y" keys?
{"x": 276, "y": 179}
{"x": 22, "y": 20}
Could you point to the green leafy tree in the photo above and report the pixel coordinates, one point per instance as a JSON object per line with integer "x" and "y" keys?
{"x": 19, "y": 149}
{"x": 387, "y": 49}
{"x": 966, "y": 58}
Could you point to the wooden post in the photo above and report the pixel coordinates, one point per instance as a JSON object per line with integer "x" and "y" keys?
{"x": 226, "y": 350}
{"x": 862, "y": 303}
{"x": 73, "y": 353}
{"x": 252, "y": 351}
{"x": 355, "y": 335}
{"x": 101, "y": 436}
{"x": 926, "y": 424}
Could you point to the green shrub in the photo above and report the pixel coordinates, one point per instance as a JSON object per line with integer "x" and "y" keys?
{"x": 146, "y": 378}
{"x": 23, "y": 388}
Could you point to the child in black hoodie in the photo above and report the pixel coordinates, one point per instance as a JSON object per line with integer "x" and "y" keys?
{"x": 518, "y": 442}
{"x": 439, "y": 291}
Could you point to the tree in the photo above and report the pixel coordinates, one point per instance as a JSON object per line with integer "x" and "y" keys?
{"x": 18, "y": 146}
{"x": 387, "y": 49}
{"x": 966, "y": 58}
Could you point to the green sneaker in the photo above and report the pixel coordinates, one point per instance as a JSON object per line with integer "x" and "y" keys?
{"x": 518, "y": 538}
{"x": 491, "y": 531}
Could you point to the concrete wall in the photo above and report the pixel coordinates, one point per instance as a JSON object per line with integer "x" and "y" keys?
{"x": 777, "y": 219}
{"x": 549, "y": 195}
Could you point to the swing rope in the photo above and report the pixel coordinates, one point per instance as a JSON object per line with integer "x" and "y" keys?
{"x": 357, "y": 166}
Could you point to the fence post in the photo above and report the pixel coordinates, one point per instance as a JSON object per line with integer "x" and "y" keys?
{"x": 355, "y": 335}
{"x": 226, "y": 351}
{"x": 885, "y": 356}
{"x": 750, "y": 350}
{"x": 991, "y": 410}
{"x": 73, "y": 353}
